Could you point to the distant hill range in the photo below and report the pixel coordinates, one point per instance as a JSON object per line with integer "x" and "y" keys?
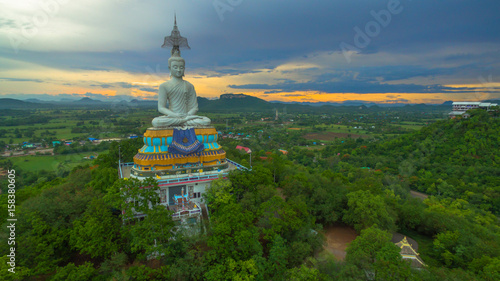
{"x": 226, "y": 103}
{"x": 88, "y": 101}
{"x": 16, "y": 104}
{"x": 234, "y": 102}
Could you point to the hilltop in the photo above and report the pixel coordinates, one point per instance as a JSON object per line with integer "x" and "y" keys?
{"x": 13, "y": 103}
{"x": 457, "y": 158}
{"x": 236, "y": 102}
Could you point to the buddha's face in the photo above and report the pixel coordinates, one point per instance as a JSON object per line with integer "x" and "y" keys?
{"x": 177, "y": 69}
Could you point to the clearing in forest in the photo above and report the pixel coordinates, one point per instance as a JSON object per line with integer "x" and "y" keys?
{"x": 338, "y": 238}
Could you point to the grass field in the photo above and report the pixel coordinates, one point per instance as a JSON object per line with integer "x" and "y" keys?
{"x": 330, "y": 136}
{"x": 61, "y": 125}
{"x": 341, "y": 129}
{"x": 50, "y": 162}
{"x": 334, "y": 128}
{"x": 412, "y": 125}
{"x": 331, "y": 132}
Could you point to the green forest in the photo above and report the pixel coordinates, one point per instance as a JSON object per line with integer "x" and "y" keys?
{"x": 268, "y": 223}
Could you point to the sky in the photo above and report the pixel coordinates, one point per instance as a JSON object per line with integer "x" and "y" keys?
{"x": 383, "y": 51}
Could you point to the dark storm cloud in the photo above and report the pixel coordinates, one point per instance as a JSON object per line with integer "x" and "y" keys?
{"x": 277, "y": 30}
{"x": 255, "y": 30}
{"x": 400, "y": 72}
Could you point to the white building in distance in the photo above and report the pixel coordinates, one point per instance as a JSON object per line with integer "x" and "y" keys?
{"x": 460, "y": 107}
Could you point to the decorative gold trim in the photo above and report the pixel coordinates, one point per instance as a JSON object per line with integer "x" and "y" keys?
{"x": 205, "y": 131}
{"x": 164, "y": 133}
{"x": 172, "y": 160}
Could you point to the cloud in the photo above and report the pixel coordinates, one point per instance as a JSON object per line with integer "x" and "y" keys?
{"x": 125, "y": 85}
{"x": 294, "y": 95}
{"x": 91, "y": 68}
{"x": 7, "y": 23}
{"x": 152, "y": 90}
{"x": 21, "y": 80}
{"x": 107, "y": 98}
{"x": 393, "y": 96}
{"x": 353, "y": 86}
{"x": 402, "y": 72}
{"x": 400, "y": 100}
{"x": 273, "y": 92}
{"x": 421, "y": 54}
{"x": 94, "y": 96}
{"x": 248, "y": 33}
{"x": 228, "y": 72}
{"x": 74, "y": 96}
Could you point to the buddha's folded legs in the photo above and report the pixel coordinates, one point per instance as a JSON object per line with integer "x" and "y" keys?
{"x": 165, "y": 121}
{"x": 199, "y": 121}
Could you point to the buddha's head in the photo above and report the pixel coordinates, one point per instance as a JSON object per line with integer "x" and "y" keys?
{"x": 176, "y": 64}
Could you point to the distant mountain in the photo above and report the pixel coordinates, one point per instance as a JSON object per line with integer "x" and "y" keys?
{"x": 88, "y": 100}
{"x": 493, "y": 101}
{"x": 450, "y": 103}
{"x": 13, "y": 103}
{"x": 245, "y": 103}
{"x": 143, "y": 103}
{"x": 66, "y": 100}
{"x": 234, "y": 102}
{"x": 231, "y": 103}
{"x": 36, "y": 101}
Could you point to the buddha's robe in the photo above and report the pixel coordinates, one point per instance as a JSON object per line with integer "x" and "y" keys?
{"x": 181, "y": 100}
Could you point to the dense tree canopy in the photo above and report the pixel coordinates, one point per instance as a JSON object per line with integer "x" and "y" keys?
{"x": 267, "y": 223}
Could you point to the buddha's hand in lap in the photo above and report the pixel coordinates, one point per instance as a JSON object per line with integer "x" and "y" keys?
{"x": 192, "y": 117}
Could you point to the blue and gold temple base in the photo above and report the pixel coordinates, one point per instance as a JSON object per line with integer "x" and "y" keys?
{"x": 154, "y": 157}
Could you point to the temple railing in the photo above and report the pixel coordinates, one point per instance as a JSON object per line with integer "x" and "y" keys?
{"x": 186, "y": 214}
{"x": 120, "y": 165}
{"x": 239, "y": 166}
{"x": 192, "y": 177}
{"x": 120, "y": 169}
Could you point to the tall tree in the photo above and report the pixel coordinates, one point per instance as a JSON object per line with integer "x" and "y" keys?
{"x": 366, "y": 209}
{"x": 150, "y": 237}
{"x": 97, "y": 231}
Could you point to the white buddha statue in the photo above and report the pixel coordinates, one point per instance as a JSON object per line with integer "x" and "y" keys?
{"x": 180, "y": 97}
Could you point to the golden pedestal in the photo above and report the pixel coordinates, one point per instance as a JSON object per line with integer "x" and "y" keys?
{"x": 153, "y": 159}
